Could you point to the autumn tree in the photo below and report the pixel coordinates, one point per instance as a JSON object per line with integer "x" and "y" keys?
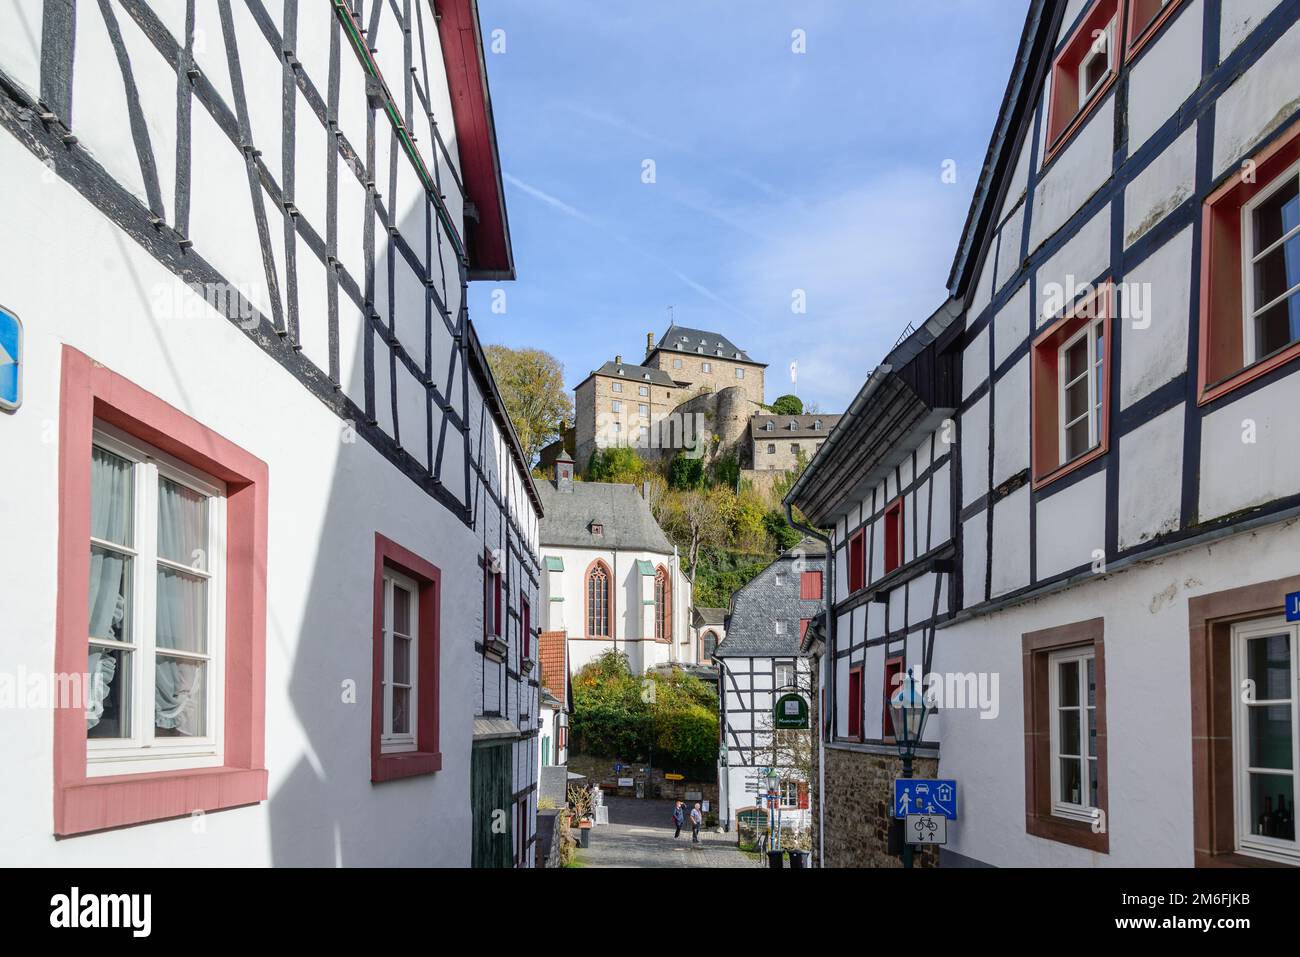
{"x": 699, "y": 518}
{"x": 532, "y": 385}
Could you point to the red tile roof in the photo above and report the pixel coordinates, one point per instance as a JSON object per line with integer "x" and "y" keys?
{"x": 551, "y": 646}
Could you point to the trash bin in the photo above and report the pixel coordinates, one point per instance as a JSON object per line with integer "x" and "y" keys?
{"x": 584, "y": 837}
{"x": 776, "y": 858}
{"x": 798, "y": 858}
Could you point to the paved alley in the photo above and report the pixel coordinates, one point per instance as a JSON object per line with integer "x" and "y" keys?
{"x": 640, "y": 834}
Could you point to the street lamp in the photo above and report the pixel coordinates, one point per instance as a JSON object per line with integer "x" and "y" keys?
{"x": 773, "y": 809}
{"x": 907, "y": 705}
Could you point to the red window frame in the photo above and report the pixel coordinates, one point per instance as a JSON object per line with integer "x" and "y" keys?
{"x": 894, "y": 535}
{"x": 893, "y": 666}
{"x": 426, "y": 758}
{"x": 1143, "y": 20}
{"x": 857, "y": 561}
{"x": 1064, "y": 116}
{"x": 810, "y": 586}
{"x": 855, "y": 703}
{"x": 1044, "y": 376}
{"x": 90, "y": 392}
{"x": 1221, "y": 364}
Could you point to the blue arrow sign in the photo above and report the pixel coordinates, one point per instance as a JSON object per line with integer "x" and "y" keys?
{"x": 11, "y": 360}
{"x": 925, "y": 796}
{"x": 1293, "y": 606}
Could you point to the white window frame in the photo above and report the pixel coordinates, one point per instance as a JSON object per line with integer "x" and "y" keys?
{"x": 643, "y": 408}
{"x": 616, "y": 387}
{"x": 791, "y": 783}
{"x": 391, "y": 742}
{"x": 643, "y": 390}
{"x": 780, "y": 626}
{"x": 1095, "y": 398}
{"x": 616, "y": 406}
{"x": 1249, "y": 257}
{"x": 1258, "y": 845}
{"x": 1102, "y": 45}
{"x": 677, "y": 361}
{"x": 782, "y": 668}
{"x": 144, "y": 751}
{"x": 1081, "y": 811}
{"x": 706, "y": 367}
{"x": 740, "y": 373}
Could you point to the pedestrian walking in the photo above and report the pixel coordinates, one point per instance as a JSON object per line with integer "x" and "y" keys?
{"x": 696, "y": 820}
{"x": 679, "y": 818}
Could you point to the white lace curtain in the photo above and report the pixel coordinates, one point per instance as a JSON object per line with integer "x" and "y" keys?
{"x": 182, "y": 609}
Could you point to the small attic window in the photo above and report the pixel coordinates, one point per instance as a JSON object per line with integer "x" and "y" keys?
{"x": 717, "y": 352}
{"x": 620, "y": 370}
{"x": 769, "y": 426}
{"x": 817, "y": 424}
{"x": 645, "y": 375}
{"x": 699, "y": 348}
{"x": 737, "y": 355}
{"x": 793, "y": 425}
{"x": 596, "y": 528}
{"x": 678, "y": 346}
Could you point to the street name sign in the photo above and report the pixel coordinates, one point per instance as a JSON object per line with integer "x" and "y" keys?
{"x": 11, "y": 360}
{"x": 925, "y": 796}
{"x": 926, "y": 829}
{"x": 1293, "y": 606}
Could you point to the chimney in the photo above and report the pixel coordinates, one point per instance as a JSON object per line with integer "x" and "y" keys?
{"x": 649, "y": 343}
{"x": 618, "y": 360}
{"x": 564, "y": 474}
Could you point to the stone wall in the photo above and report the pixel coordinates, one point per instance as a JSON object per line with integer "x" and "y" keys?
{"x": 859, "y": 797}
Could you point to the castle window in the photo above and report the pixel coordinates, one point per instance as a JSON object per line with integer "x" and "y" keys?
{"x": 740, "y": 373}
{"x": 706, "y": 367}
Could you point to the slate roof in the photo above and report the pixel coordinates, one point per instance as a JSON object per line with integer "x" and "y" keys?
{"x": 751, "y": 629}
{"x": 709, "y": 616}
{"x": 693, "y": 340}
{"x": 625, "y": 370}
{"x": 804, "y": 426}
{"x": 622, "y": 511}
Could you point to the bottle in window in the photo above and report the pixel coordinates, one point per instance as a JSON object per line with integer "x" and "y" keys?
{"x": 1285, "y": 820}
{"x": 1268, "y": 822}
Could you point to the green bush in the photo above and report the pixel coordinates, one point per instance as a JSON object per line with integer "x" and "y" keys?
{"x": 685, "y": 472}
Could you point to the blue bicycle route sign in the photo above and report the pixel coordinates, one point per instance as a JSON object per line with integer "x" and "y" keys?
{"x": 11, "y": 360}
{"x": 925, "y": 796}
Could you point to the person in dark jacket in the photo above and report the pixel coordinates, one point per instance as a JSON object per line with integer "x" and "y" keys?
{"x": 679, "y": 818}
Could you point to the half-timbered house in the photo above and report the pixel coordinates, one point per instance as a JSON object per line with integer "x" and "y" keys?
{"x": 759, "y": 661}
{"x": 882, "y": 484}
{"x": 265, "y": 471}
{"x": 1126, "y": 475}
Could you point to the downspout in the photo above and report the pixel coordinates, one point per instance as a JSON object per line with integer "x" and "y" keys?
{"x": 827, "y": 579}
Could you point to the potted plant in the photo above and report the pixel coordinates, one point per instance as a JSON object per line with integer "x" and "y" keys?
{"x": 581, "y": 801}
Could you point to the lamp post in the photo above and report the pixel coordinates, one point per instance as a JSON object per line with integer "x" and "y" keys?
{"x": 773, "y": 809}
{"x": 908, "y": 708}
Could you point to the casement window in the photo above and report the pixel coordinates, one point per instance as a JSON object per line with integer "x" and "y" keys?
{"x": 643, "y": 409}
{"x": 618, "y": 428}
{"x": 157, "y": 602}
{"x": 769, "y": 426}
{"x": 784, "y": 676}
{"x": 677, "y": 362}
{"x": 162, "y": 609}
{"x": 771, "y": 448}
{"x": 894, "y": 547}
{"x": 1082, "y": 72}
{"x": 1250, "y": 271}
{"x": 1145, "y": 17}
{"x": 643, "y": 390}
{"x": 706, "y": 367}
{"x": 663, "y": 606}
{"x": 1070, "y": 379}
{"x": 405, "y": 666}
{"x": 794, "y": 448}
{"x": 1065, "y": 725}
{"x": 857, "y": 561}
{"x": 740, "y": 373}
{"x": 616, "y": 406}
{"x": 643, "y": 436}
{"x": 779, "y": 625}
{"x": 521, "y": 832}
{"x": 616, "y": 387}
{"x": 1073, "y": 727}
{"x": 810, "y": 586}
{"x": 401, "y": 662}
{"x": 493, "y": 618}
{"x": 894, "y": 676}
{"x": 855, "y": 704}
{"x": 598, "y": 599}
{"x": 1266, "y": 737}
{"x": 789, "y": 795}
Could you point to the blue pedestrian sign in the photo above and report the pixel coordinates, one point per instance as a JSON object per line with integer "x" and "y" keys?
{"x": 11, "y": 360}
{"x": 1293, "y": 606}
{"x": 922, "y": 796}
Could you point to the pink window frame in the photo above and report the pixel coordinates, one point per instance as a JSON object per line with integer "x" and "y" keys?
{"x": 90, "y": 392}
{"x": 426, "y": 758}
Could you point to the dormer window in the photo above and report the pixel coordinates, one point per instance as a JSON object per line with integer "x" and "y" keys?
{"x": 818, "y": 424}
{"x": 597, "y": 528}
{"x": 769, "y": 426}
{"x": 792, "y": 425}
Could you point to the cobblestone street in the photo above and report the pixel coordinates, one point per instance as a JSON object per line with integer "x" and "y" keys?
{"x": 640, "y": 834}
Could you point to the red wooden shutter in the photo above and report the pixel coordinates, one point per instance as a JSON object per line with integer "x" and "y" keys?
{"x": 855, "y": 703}
{"x": 528, "y": 624}
{"x": 894, "y": 666}
{"x": 894, "y": 536}
{"x": 803, "y": 795}
{"x": 857, "y": 566}
{"x": 810, "y": 586}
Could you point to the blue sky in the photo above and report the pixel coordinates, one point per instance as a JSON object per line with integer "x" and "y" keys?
{"x": 774, "y": 172}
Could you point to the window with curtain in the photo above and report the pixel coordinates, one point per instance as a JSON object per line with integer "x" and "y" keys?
{"x": 156, "y": 610}
{"x": 598, "y": 602}
{"x": 401, "y": 664}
